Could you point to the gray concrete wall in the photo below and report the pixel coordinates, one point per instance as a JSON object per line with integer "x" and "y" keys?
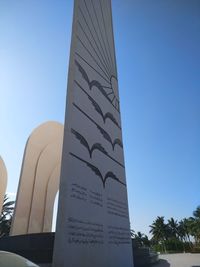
{"x": 93, "y": 227}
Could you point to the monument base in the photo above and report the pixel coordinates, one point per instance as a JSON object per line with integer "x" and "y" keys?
{"x": 142, "y": 256}
{"x": 37, "y": 248}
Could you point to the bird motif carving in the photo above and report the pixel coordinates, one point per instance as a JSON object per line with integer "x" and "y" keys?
{"x": 107, "y": 91}
{"x": 108, "y": 175}
{"x": 96, "y": 146}
{"x": 114, "y": 142}
{"x": 107, "y": 115}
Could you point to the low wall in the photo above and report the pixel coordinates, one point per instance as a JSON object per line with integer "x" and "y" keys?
{"x": 35, "y": 247}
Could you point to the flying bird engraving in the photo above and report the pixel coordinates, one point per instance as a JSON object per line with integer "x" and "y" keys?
{"x": 113, "y": 143}
{"x": 108, "y": 175}
{"x": 117, "y": 141}
{"x": 108, "y": 115}
{"x": 96, "y": 106}
{"x": 83, "y": 141}
{"x": 96, "y": 146}
{"x": 110, "y": 95}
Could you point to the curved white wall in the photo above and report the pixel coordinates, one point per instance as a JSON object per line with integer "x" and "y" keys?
{"x": 42, "y": 155}
{"x": 3, "y": 181}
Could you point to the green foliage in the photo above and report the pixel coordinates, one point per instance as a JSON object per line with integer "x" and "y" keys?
{"x": 141, "y": 239}
{"x": 195, "y": 250}
{"x": 175, "y": 236}
{"x": 160, "y": 232}
{"x": 196, "y": 213}
{"x": 6, "y": 216}
{"x": 174, "y": 244}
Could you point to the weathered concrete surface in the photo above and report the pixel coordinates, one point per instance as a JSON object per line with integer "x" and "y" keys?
{"x": 179, "y": 260}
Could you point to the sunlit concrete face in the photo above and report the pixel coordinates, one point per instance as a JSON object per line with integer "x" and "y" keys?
{"x": 39, "y": 180}
{"x": 93, "y": 227}
{"x": 3, "y": 182}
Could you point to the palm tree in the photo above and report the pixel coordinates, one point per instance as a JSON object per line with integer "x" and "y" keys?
{"x": 174, "y": 234}
{"x": 173, "y": 228}
{"x": 160, "y": 231}
{"x": 182, "y": 230}
{"x": 146, "y": 242}
{"x": 194, "y": 228}
{"x": 141, "y": 239}
{"x": 6, "y": 216}
{"x": 196, "y": 213}
{"x": 187, "y": 225}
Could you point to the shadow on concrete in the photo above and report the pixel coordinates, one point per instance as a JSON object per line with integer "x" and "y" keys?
{"x": 196, "y": 266}
{"x": 37, "y": 248}
{"x": 163, "y": 263}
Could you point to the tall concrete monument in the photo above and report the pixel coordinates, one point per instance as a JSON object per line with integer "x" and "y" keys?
{"x": 93, "y": 222}
{"x": 3, "y": 182}
{"x": 39, "y": 180}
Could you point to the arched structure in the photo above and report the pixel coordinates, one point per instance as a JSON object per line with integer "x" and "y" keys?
{"x": 52, "y": 190}
{"x": 3, "y": 182}
{"x": 39, "y": 180}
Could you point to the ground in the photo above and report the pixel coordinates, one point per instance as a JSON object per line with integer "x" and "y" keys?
{"x": 179, "y": 260}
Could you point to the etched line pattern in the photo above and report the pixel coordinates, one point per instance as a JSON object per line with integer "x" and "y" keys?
{"x": 96, "y": 199}
{"x": 107, "y": 91}
{"x": 100, "y": 30}
{"x": 81, "y": 232}
{"x": 108, "y": 175}
{"x": 118, "y": 235}
{"x": 108, "y": 45}
{"x": 84, "y": 46}
{"x": 96, "y": 52}
{"x": 95, "y": 36}
{"x": 78, "y": 192}
{"x": 105, "y": 135}
{"x": 98, "y": 49}
{"x": 95, "y": 146}
{"x": 96, "y": 66}
{"x": 107, "y": 115}
{"x": 117, "y": 208}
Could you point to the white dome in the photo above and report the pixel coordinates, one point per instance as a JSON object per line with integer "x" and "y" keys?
{"x": 8, "y": 259}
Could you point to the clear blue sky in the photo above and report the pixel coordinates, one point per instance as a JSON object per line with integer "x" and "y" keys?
{"x": 158, "y": 56}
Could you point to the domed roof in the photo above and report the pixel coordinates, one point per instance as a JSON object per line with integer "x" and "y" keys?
{"x": 8, "y": 259}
